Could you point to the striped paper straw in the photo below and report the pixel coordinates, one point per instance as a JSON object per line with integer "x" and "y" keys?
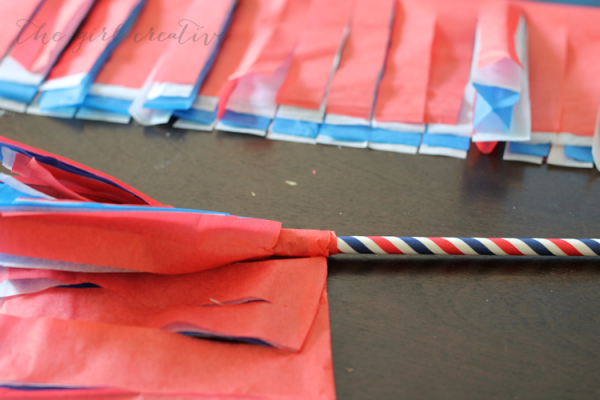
{"x": 468, "y": 246}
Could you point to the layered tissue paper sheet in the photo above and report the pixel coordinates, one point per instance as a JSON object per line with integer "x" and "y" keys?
{"x": 408, "y": 76}
{"x": 49, "y": 351}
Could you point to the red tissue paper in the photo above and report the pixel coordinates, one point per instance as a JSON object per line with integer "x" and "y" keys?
{"x": 83, "y": 354}
{"x": 112, "y": 294}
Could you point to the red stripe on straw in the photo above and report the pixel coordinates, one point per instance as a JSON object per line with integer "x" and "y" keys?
{"x": 385, "y": 245}
{"x": 507, "y": 247}
{"x": 566, "y": 247}
{"x": 446, "y": 246}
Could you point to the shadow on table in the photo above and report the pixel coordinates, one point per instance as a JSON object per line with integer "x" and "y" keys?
{"x": 465, "y": 327}
{"x": 466, "y": 265}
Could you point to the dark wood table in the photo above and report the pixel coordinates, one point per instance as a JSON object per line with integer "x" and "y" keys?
{"x": 402, "y": 327}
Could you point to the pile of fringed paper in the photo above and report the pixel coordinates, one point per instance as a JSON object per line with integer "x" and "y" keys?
{"x": 410, "y": 76}
{"x": 106, "y": 293}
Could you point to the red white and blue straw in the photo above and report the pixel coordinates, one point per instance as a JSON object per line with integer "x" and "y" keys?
{"x": 468, "y": 246}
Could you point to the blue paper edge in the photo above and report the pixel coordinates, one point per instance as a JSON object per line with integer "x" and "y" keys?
{"x": 386, "y": 136}
{"x": 346, "y": 133}
{"x": 530, "y": 149}
{"x": 242, "y": 339}
{"x": 294, "y": 127}
{"x": 249, "y": 121}
{"x": 18, "y": 91}
{"x": 201, "y": 116}
{"x": 448, "y": 141}
{"x": 22, "y": 388}
{"x": 105, "y": 103}
{"x": 579, "y": 153}
{"x": 22, "y": 204}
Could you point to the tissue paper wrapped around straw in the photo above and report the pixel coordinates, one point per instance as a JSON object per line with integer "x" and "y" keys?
{"x": 75, "y": 218}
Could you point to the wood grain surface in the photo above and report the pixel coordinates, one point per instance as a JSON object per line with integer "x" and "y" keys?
{"x": 402, "y": 328}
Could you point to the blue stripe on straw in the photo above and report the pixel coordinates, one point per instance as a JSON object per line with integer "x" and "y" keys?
{"x": 593, "y": 245}
{"x": 356, "y": 245}
{"x": 537, "y": 247}
{"x": 478, "y": 247}
{"x": 417, "y": 246}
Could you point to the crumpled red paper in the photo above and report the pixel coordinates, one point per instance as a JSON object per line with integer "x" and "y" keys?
{"x": 73, "y": 173}
{"x": 68, "y": 186}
